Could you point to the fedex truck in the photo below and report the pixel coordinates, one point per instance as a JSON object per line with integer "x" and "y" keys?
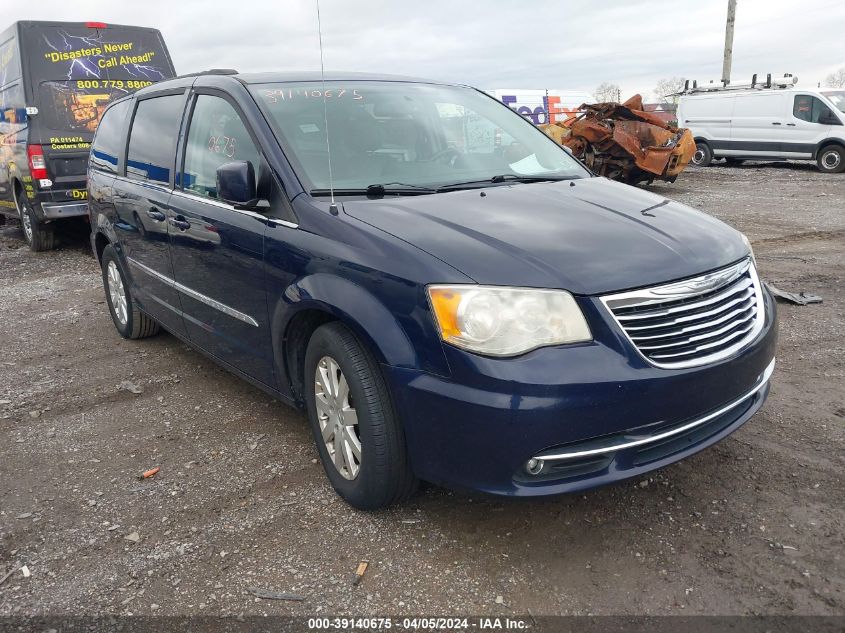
{"x": 543, "y": 106}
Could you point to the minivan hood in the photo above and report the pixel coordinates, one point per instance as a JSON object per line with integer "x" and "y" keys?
{"x": 588, "y": 236}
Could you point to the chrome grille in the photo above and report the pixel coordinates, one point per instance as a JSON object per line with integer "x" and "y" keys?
{"x": 695, "y": 321}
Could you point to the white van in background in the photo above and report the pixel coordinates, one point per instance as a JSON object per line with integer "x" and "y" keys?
{"x": 766, "y": 124}
{"x": 542, "y": 106}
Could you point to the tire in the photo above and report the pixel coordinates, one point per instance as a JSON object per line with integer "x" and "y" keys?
{"x": 39, "y": 236}
{"x": 380, "y": 475}
{"x": 831, "y": 159}
{"x": 129, "y": 321}
{"x": 703, "y": 156}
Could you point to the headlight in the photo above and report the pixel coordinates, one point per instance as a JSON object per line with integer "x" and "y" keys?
{"x": 750, "y": 250}
{"x": 501, "y": 321}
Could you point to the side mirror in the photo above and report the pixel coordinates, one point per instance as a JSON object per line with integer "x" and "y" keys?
{"x": 236, "y": 183}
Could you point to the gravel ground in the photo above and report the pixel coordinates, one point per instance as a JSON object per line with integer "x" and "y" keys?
{"x": 753, "y": 525}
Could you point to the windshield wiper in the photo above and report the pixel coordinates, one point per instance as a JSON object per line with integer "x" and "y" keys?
{"x": 504, "y": 178}
{"x": 397, "y": 188}
{"x": 379, "y": 190}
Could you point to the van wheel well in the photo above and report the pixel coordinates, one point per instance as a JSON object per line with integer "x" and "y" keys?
{"x": 826, "y": 144}
{"x": 100, "y": 243}
{"x": 17, "y": 188}
{"x": 298, "y": 333}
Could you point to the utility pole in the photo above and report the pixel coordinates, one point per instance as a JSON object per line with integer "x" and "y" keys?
{"x": 729, "y": 42}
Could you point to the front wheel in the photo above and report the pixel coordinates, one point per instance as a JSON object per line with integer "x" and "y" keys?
{"x": 358, "y": 435}
{"x": 703, "y": 156}
{"x": 129, "y": 321}
{"x": 831, "y": 159}
{"x": 40, "y": 237}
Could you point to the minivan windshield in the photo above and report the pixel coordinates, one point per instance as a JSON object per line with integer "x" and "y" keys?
{"x": 411, "y": 136}
{"x": 837, "y": 98}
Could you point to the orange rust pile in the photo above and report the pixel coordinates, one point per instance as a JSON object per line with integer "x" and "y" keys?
{"x": 624, "y": 142}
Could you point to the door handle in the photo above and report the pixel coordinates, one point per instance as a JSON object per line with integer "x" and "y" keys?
{"x": 791, "y": 124}
{"x": 775, "y": 123}
{"x": 180, "y": 223}
{"x": 155, "y": 214}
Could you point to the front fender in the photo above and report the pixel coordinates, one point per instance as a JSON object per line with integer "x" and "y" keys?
{"x": 395, "y": 337}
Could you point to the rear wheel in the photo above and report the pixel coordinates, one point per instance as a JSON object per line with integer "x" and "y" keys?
{"x": 39, "y": 236}
{"x": 128, "y": 319}
{"x": 358, "y": 435}
{"x": 702, "y": 156}
{"x": 831, "y": 159}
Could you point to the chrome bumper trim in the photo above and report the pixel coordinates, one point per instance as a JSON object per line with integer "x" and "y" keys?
{"x": 761, "y": 382}
{"x": 56, "y": 210}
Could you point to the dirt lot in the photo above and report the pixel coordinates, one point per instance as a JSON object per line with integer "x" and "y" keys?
{"x": 754, "y": 525}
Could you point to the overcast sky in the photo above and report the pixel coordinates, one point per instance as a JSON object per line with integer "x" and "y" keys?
{"x": 490, "y": 44}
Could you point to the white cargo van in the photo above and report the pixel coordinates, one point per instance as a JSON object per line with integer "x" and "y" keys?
{"x": 766, "y": 124}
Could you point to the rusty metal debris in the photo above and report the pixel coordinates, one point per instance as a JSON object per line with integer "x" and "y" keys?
{"x": 624, "y": 142}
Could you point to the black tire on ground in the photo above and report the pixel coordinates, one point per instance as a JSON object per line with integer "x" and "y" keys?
{"x": 38, "y": 235}
{"x": 734, "y": 162}
{"x": 703, "y": 156}
{"x": 134, "y": 324}
{"x": 384, "y": 476}
{"x": 831, "y": 159}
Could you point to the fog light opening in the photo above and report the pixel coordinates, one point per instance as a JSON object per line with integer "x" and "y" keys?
{"x": 534, "y": 466}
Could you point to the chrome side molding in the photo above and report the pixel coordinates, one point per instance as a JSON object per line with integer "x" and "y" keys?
{"x": 217, "y": 305}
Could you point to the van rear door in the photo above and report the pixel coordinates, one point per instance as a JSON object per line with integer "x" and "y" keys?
{"x": 73, "y": 71}
{"x": 709, "y": 117}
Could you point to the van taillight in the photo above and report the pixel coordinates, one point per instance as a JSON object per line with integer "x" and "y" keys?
{"x": 37, "y": 165}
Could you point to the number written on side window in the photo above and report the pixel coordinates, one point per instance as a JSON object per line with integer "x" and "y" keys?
{"x": 216, "y": 136}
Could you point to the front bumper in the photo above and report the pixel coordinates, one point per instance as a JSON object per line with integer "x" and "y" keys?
{"x": 596, "y": 413}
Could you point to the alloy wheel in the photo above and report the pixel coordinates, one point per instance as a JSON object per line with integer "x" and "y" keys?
{"x": 117, "y": 293}
{"x": 337, "y": 418}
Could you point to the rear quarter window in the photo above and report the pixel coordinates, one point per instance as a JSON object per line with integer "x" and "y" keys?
{"x": 152, "y": 140}
{"x": 109, "y": 140}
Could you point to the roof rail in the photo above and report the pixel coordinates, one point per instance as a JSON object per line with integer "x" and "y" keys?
{"x": 771, "y": 83}
{"x": 211, "y": 71}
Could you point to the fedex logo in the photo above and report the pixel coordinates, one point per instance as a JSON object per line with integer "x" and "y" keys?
{"x": 538, "y": 115}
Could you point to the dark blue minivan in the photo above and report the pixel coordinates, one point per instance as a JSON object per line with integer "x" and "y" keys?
{"x": 448, "y": 293}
